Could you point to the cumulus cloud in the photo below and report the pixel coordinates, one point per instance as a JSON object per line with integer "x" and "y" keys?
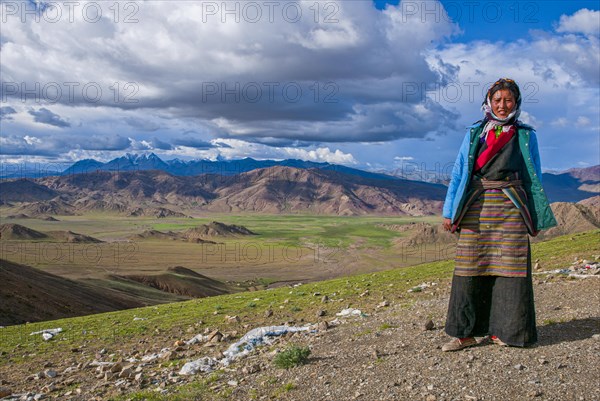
{"x": 27, "y": 145}
{"x": 102, "y": 142}
{"x": 45, "y": 116}
{"x": 583, "y": 21}
{"x": 348, "y": 75}
{"x": 5, "y": 112}
{"x": 193, "y": 142}
{"x": 237, "y": 149}
{"x": 300, "y": 72}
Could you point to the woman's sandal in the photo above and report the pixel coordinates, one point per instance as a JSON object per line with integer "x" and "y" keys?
{"x": 498, "y": 341}
{"x": 459, "y": 343}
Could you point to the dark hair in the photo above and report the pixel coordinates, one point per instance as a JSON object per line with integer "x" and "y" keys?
{"x": 504, "y": 83}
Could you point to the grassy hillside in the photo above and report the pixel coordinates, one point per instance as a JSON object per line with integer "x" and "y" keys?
{"x": 298, "y": 304}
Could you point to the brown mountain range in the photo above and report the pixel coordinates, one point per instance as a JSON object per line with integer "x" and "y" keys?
{"x": 268, "y": 190}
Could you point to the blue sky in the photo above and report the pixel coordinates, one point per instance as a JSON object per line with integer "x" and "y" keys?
{"x": 373, "y": 85}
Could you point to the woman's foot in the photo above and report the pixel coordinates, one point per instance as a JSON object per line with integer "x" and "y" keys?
{"x": 459, "y": 343}
{"x": 498, "y": 341}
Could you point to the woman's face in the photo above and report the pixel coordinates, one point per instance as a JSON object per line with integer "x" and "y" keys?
{"x": 503, "y": 102}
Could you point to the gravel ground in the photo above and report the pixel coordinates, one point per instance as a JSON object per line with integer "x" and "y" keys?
{"x": 387, "y": 355}
{"x": 365, "y": 359}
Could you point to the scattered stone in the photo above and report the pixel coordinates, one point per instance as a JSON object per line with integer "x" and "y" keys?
{"x": 248, "y": 370}
{"x": 321, "y": 313}
{"x": 325, "y": 299}
{"x": 518, "y": 366}
{"x": 179, "y": 343}
{"x": 169, "y": 356}
{"x": 233, "y": 318}
{"x": 215, "y": 336}
{"x": 596, "y": 336}
{"x": 535, "y": 393}
{"x": 323, "y": 326}
{"x": 50, "y": 373}
{"x": 49, "y": 388}
{"x": 365, "y": 293}
{"x": 268, "y": 313}
{"x": 383, "y": 304}
{"x": 429, "y": 325}
{"x": 116, "y": 368}
{"x": 4, "y": 392}
{"x": 126, "y": 373}
{"x": 232, "y": 383}
{"x": 431, "y": 397}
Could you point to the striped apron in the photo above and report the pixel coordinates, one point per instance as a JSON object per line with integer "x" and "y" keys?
{"x": 493, "y": 230}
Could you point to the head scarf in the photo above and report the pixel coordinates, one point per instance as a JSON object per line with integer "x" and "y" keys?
{"x": 493, "y": 122}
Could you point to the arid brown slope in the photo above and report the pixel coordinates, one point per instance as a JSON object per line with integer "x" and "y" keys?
{"x": 55, "y": 206}
{"x": 216, "y": 229}
{"x": 286, "y": 189}
{"x": 182, "y": 281}
{"x": 11, "y": 231}
{"x": 593, "y": 204}
{"x": 23, "y": 190}
{"x": 131, "y": 186}
{"x": 29, "y": 295}
{"x": 571, "y": 218}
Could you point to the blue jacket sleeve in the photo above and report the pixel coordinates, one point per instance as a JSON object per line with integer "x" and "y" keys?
{"x": 455, "y": 178}
{"x": 535, "y": 155}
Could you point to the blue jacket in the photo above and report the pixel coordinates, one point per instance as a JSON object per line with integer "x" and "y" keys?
{"x": 538, "y": 204}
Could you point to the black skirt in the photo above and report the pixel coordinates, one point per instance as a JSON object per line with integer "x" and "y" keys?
{"x": 493, "y": 305}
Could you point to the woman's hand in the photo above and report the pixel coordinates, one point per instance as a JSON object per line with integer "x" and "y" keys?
{"x": 447, "y": 224}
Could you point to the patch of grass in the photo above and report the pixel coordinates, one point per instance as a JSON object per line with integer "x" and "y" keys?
{"x": 364, "y": 333}
{"x": 550, "y": 322}
{"x": 265, "y": 281}
{"x": 285, "y": 388}
{"x": 386, "y": 326}
{"x": 291, "y": 357}
{"x": 198, "y": 389}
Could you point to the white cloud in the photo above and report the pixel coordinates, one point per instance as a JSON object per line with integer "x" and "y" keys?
{"x": 583, "y": 21}
{"x": 560, "y": 122}
{"x": 239, "y": 149}
{"x": 31, "y": 140}
{"x": 582, "y": 121}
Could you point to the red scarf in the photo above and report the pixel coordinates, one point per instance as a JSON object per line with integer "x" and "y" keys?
{"x": 494, "y": 145}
